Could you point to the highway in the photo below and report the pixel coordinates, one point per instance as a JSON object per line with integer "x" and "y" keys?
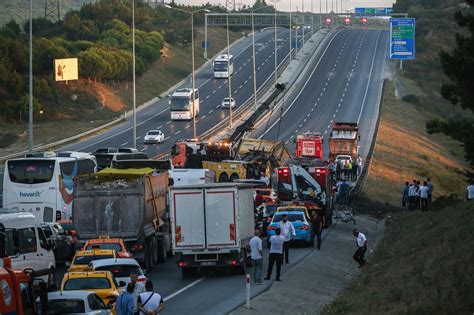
{"x": 344, "y": 85}
{"x": 212, "y": 91}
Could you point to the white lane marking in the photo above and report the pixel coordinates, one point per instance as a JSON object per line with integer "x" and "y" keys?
{"x": 302, "y": 89}
{"x": 240, "y": 87}
{"x": 125, "y": 143}
{"x": 220, "y": 86}
{"x": 210, "y": 112}
{"x": 159, "y": 127}
{"x": 217, "y": 106}
{"x": 203, "y": 116}
{"x": 167, "y": 138}
{"x": 168, "y": 122}
{"x": 187, "y": 127}
{"x": 214, "y": 92}
{"x": 235, "y": 92}
{"x": 370, "y": 76}
{"x": 143, "y": 149}
{"x": 207, "y": 97}
{"x": 137, "y": 138}
{"x": 177, "y": 132}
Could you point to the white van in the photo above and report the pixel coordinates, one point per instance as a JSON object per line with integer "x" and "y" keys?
{"x": 26, "y": 243}
{"x": 184, "y": 177}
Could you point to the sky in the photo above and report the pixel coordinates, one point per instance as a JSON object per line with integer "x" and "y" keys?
{"x": 285, "y": 4}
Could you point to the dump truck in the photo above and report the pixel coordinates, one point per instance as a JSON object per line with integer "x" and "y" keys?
{"x": 125, "y": 203}
{"x": 344, "y": 141}
{"x": 212, "y": 225}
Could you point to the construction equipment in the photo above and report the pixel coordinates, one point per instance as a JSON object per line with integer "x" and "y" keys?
{"x": 344, "y": 141}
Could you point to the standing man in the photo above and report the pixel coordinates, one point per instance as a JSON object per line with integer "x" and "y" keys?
{"x": 430, "y": 191}
{"x": 405, "y": 197}
{"x": 276, "y": 254}
{"x": 125, "y": 304}
{"x": 316, "y": 227}
{"x": 470, "y": 191}
{"x": 264, "y": 179}
{"x": 411, "y": 196}
{"x": 149, "y": 302}
{"x": 139, "y": 289}
{"x": 256, "y": 253}
{"x": 288, "y": 232}
{"x": 424, "y": 190}
{"x": 361, "y": 248}
{"x": 359, "y": 164}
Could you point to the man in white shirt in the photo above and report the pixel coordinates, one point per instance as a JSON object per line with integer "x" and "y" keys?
{"x": 361, "y": 247}
{"x": 264, "y": 179}
{"x": 150, "y": 302}
{"x": 256, "y": 253}
{"x": 470, "y": 192}
{"x": 411, "y": 197}
{"x": 288, "y": 232}
{"x": 423, "y": 192}
{"x": 276, "y": 254}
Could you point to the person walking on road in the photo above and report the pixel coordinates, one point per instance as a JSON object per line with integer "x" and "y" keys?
{"x": 470, "y": 191}
{"x": 338, "y": 170}
{"x": 276, "y": 254}
{"x": 125, "y": 305}
{"x": 430, "y": 191}
{"x": 256, "y": 254}
{"x": 424, "y": 191}
{"x": 139, "y": 289}
{"x": 316, "y": 228}
{"x": 149, "y": 302}
{"x": 406, "y": 196}
{"x": 288, "y": 232}
{"x": 361, "y": 248}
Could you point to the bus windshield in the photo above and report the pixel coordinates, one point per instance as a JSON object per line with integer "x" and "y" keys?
{"x": 30, "y": 171}
{"x": 220, "y": 65}
{"x": 180, "y": 103}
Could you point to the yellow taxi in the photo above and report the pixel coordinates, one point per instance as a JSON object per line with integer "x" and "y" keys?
{"x": 83, "y": 257}
{"x": 102, "y": 283}
{"x": 106, "y": 242}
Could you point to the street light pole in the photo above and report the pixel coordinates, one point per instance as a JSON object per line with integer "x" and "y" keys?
{"x": 320, "y": 14}
{"x": 133, "y": 76}
{"x": 30, "y": 82}
{"x": 193, "y": 75}
{"x": 291, "y": 30}
{"x": 254, "y": 65}
{"x": 276, "y": 47}
{"x": 229, "y": 80}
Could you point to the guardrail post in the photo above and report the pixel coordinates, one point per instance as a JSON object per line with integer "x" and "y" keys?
{"x": 247, "y": 285}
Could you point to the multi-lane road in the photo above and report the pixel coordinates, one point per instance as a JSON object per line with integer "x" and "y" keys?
{"x": 345, "y": 84}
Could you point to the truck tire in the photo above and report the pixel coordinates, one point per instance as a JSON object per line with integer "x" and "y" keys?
{"x": 161, "y": 250}
{"x": 223, "y": 178}
{"x": 188, "y": 272}
{"x": 234, "y": 177}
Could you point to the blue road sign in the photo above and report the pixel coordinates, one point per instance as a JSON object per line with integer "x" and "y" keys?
{"x": 402, "y": 38}
{"x": 206, "y": 45}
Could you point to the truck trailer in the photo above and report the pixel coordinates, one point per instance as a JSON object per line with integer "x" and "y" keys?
{"x": 128, "y": 204}
{"x": 212, "y": 225}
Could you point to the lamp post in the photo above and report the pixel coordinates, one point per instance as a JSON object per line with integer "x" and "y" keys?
{"x": 229, "y": 80}
{"x": 276, "y": 44}
{"x": 192, "y": 57}
{"x": 254, "y": 65}
{"x": 30, "y": 79}
{"x": 134, "y": 133}
{"x": 291, "y": 30}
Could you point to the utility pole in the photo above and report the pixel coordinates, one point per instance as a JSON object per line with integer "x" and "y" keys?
{"x": 30, "y": 82}
{"x": 134, "y": 77}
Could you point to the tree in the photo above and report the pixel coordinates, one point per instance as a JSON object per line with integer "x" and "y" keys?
{"x": 459, "y": 67}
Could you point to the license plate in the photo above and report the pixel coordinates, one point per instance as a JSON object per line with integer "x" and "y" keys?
{"x": 208, "y": 263}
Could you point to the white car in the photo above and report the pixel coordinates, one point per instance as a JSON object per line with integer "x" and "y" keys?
{"x": 225, "y": 103}
{"x": 120, "y": 268}
{"x": 76, "y": 302}
{"x": 154, "y": 136}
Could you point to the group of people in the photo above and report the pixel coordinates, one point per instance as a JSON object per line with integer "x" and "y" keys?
{"x": 139, "y": 298}
{"x": 347, "y": 169}
{"x": 417, "y": 196}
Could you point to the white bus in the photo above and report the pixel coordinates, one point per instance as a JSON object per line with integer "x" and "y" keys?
{"x": 223, "y": 66}
{"x": 181, "y": 104}
{"x": 43, "y": 183}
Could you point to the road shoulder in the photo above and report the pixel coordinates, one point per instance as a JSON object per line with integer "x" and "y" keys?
{"x": 319, "y": 277}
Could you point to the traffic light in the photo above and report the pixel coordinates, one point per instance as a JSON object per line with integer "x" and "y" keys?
{"x": 328, "y": 20}
{"x": 347, "y": 20}
{"x": 364, "y": 20}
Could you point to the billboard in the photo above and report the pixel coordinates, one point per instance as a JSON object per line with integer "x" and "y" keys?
{"x": 66, "y": 69}
{"x": 402, "y": 38}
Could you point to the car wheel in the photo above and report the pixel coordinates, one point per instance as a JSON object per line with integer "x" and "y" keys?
{"x": 223, "y": 178}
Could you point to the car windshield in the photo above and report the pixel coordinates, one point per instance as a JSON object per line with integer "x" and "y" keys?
{"x": 180, "y": 103}
{"x": 47, "y": 231}
{"x": 121, "y": 271}
{"x": 63, "y": 306}
{"x": 153, "y": 133}
{"x": 114, "y": 246}
{"x": 87, "y": 284}
{"x": 271, "y": 209}
{"x": 68, "y": 226}
{"x": 220, "y": 65}
{"x": 85, "y": 260}
{"x": 104, "y": 160}
{"x": 292, "y": 217}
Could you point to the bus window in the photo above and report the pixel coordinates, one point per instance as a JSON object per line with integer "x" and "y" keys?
{"x": 67, "y": 168}
{"x": 86, "y": 166}
{"x": 30, "y": 171}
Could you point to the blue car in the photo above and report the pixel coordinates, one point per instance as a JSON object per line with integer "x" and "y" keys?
{"x": 299, "y": 221}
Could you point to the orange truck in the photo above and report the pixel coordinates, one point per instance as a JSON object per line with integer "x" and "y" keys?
{"x": 344, "y": 141}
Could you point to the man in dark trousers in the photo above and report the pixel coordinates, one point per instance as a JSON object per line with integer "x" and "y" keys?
{"x": 288, "y": 233}
{"x": 361, "y": 247}
{"x": 316, "y": 228}
{"x": 276, "y": 254}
